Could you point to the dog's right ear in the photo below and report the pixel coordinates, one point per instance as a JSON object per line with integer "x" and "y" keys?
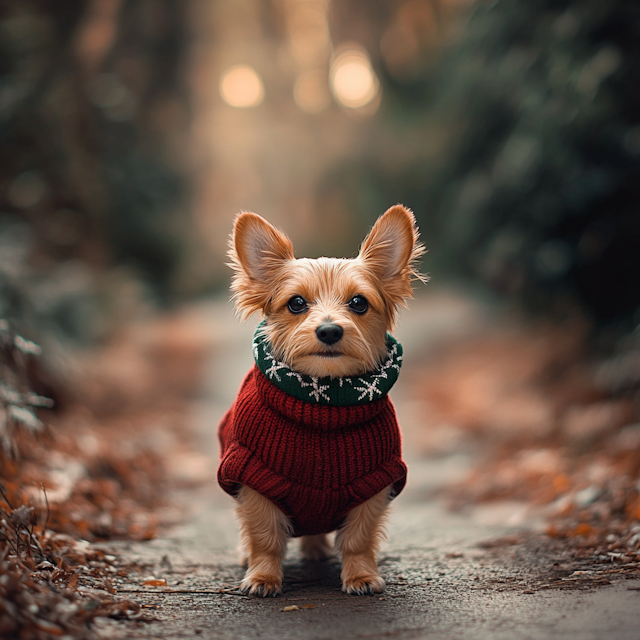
{"x": 258, "y": 252}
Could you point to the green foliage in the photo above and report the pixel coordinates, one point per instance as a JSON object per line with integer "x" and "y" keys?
{"x": 537, "y": 186}
{"x": 90, "y": 102}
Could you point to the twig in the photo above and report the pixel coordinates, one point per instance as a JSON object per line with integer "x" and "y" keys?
{"x": 4, "y": 495}
{"x": 46, "y": 500}
{"x": 30, "y": 532}
{"x": 8, "y": 540}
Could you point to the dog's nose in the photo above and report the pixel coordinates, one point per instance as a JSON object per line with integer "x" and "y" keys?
{"x": 329, "y": 333}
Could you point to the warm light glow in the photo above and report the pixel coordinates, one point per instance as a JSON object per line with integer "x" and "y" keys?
{"x": 309, "y": 34}
{"x": 353, "y": 81}
{"x": 311, "y": 91}
{"x": 241, "y": 86}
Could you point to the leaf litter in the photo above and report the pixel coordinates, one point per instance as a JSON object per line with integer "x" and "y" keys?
{"x": 549, "y": 424}
{"x": 84, "y": 470}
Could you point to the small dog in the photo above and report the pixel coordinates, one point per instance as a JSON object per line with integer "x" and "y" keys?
{"x": 311, "y": 444}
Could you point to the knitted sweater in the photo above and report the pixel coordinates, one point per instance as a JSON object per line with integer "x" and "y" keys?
{"x": 314, "y": 461}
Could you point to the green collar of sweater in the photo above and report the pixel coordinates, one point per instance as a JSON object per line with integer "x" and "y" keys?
{"x": 337, "y": 392}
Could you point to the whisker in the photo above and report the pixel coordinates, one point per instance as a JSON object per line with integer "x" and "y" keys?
{"x": 370, "y": 354}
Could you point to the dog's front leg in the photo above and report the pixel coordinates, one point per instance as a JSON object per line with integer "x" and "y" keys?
{"x": 264, "y": 532}
{"x": 358, "y": 541}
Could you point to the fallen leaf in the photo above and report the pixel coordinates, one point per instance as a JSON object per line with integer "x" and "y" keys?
{"x": 155, "y": 583}
{"x": 293, "y": 607}
{"x": 49, "y": 627}
{"x": 583, "y": 529}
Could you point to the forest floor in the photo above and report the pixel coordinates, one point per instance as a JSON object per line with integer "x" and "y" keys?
{"x": 520, "y": 519}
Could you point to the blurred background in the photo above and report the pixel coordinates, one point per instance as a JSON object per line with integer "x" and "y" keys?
{"x": 133, "y": 131}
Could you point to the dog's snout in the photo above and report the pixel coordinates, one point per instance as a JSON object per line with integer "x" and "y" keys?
{"x": 329, "y": 333}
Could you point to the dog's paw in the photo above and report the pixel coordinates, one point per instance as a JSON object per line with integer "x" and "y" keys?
{"x": 364, "y": 586}
{"x": 263, "y": 586}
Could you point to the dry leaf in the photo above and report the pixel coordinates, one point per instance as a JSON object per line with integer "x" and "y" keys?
{"x": 49, "y": 627}
{"x": 583, "y": 529}
{"x": 293, "y": 607}
{"x": 155, "y": 583}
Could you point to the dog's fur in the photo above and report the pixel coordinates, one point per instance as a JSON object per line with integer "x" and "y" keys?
{"x": 266, "y": 277}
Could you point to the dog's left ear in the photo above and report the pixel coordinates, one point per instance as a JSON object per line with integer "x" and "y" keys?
{"x": 391, "y": 251}
{"x": 258, "y": 255}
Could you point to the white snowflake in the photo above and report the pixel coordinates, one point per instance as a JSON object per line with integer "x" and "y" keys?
{"x": 369, "y": 388}
{"x": 276, "y": 365}
{"x": 391, "y": 362}
{"x": 317, "y": 389}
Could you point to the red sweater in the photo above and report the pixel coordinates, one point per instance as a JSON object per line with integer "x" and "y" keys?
{"x": 315, "y": 462}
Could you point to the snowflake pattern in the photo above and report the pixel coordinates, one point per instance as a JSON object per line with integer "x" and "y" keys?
{"x": 276, "y": 365}
{"x": 369, "y": 385}
{"x": 317, "y": 390}
{"x": 371, "y": 388}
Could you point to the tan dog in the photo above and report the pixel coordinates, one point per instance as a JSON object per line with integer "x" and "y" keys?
{"x": 326, "y": 319}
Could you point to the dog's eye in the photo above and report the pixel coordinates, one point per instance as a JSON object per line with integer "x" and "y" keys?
{"x": 358, "y": 304}
{"x": 297, "y": 304}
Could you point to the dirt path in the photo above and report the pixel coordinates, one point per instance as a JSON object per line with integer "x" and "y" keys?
{"x": 441, "y": 584}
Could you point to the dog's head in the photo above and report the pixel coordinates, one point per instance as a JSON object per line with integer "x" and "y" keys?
{"x": 326, "y": 316}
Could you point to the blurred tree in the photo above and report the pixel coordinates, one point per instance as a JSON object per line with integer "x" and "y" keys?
{"x": 513, "y": 131}
{"x": 141, "y": 96}
{"x": 92, "y": 107}
{"x": 537, "y": 186}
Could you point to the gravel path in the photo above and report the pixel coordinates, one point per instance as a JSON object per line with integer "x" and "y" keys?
{"x": 441, "y": 584}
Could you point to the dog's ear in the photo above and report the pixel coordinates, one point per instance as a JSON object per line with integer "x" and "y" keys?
{"x": 258, "y": 252}
{"x": 390, "y": 252}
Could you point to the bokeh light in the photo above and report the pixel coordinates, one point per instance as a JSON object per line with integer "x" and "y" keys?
{"x": 353, "y": 82}
{"x": 241, "y": 86}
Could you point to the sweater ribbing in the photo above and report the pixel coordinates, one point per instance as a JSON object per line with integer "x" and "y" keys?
{"x": 315, "y": 462}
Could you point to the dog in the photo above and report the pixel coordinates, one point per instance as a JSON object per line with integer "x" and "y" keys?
{"x": 311, "y": 444}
